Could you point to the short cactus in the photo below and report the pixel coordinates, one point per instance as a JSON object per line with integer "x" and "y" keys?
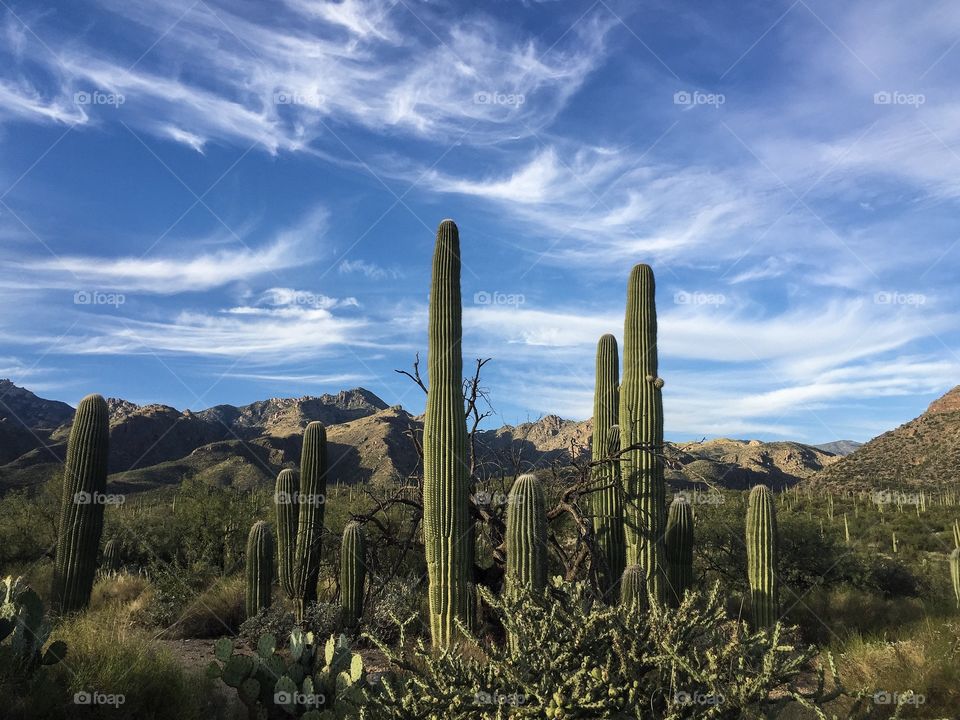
{"x": 633, "y": 589}
{"x": 762, "y": 545}
{"x": 111, "y": 556}
{"x": 286, "y": 506}
{"x": 608, "y": 500}
{"x": 353, "y": 572}
{"x": 641, "y": 428}
{"x": 526, "y": 535}
{"x": 955, "y": 573}
{"x": 679, "y": 548}
{"x": 446, "y": 519}
{"x": 313, "y": 488}
{"x": 259, "y": 567}
{"x": 81, "y": 508}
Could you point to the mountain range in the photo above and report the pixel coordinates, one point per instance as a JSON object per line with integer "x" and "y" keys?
{"x": 156, "y": 445}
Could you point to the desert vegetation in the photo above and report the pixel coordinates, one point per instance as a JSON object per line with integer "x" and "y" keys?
{"x": 465, "y": 589}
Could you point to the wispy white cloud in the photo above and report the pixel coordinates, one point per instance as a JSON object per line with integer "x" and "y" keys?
{"x": 368, "y": 269}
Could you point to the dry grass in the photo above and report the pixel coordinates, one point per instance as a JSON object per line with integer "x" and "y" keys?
{"x": 119, "y": 589}
{"x": 218, "y": 610}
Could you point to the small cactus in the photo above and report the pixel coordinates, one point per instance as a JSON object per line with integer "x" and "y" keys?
{"x": 259, "y": 567}
{"x": 81, "y": 508}
{"x": 111, "y": 556}
{"x": 353, "y": 572}
{"x": 679, "y": 548}
{"x": 526, "y": 535}
{"x": 633, "y": 589}
{"x": 762, "y": 544}
{"x": 313, "y": 488}
{"x": 955, "y": 573}
{"x": 286, "y": 506}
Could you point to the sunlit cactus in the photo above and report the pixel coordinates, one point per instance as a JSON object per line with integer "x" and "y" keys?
{"x": 633, "y": 589}
{"x": 353, "y": 572}
{"x": 313, "y": 488}
{"x": 762, "y": 551}
{"x": 287, "y": 508}
{"x": 526, "y": 535}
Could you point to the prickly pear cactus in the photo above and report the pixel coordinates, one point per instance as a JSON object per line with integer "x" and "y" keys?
{"x": 24, "y": 631}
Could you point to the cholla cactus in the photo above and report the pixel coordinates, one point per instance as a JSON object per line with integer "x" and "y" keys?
{"x": 762, "y": 544}
{"x": 353, "y": 572}
{"x": 446, "y": 519}
{"x": 259, "y": 568}
{"x": 81, "y": 508}
{"x": 526, "y": 535}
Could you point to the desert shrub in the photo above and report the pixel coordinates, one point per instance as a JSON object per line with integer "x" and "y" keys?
{"x": 323, "y": 619}
{"x": 394, "y": 602}
{"x": 218, "y": 610}
{"x": 569, "y": 656}
{"x": 117, "y": 588}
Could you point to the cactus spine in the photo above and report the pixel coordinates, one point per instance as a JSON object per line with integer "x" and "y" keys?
{"x": 353, "y": 572}
{"x": 286, "y": 506}
{"x": 446, "y": 519}
{"x": 526, "y": 535}
{"x": 111, "y": 555}
{"x": 762, "y": 557}
{"x": 679, "y": 548}
{"x": 641, "y": 423}
{"x": 633, "y": 589}
{"x": 259, "y": 567}
{"x": 608, "y": 502}
{"x": 313, "y": 488}
{"x": 81, "y": 508}
{"x": 955, "y": 572}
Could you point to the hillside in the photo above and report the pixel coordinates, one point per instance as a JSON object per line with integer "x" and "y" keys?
{"x": 840, "y": 447}
{"x": 922, "y": 452}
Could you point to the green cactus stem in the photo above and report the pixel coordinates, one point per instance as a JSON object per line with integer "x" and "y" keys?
{"x": 526, "y": 535}
{"x": 313, "y": 488}
{"x": 286, "y": 506}
{"x": 641, "y": 424}
{"x": 446, "y": 519}
{"x": 608, "y": 499}
{"x": 111, "y": 556}
{"x": 679, "y": 548}
{"x": 259, "y": 567}
{"x": 633, "y": 589}
{"x": 353, "y": 572}
{"x": 81, "y": 508}
{"x": 762, "y": 550}
{"x": 955, "y": 573}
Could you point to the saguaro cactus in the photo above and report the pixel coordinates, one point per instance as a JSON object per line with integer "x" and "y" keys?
{"x": 762, "y": 547}
{"x": 956, "y": 533}
{"x": 679, "y": 548}
{"x": 313, "y": 488}
{"x": 445, "y": 469}
{"x": 81, "y": 507}
{"x": 285, "y": 503}
{"x": 259, "y": 567}
{"x": 608, "y": 501}
{"x": 633, "y": 589}
{"x": 955, "y": 573}
{"x": 526, "y": 535}
{"x": 641, "y": 423}
{"x": 111, "y": 555}
{"x": 353, "y": 572}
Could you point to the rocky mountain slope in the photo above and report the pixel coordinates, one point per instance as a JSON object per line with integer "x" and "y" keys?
{"x": 840, "y": 447}
{"x": 922, "y": 452}
{"x": 155, "y": 445}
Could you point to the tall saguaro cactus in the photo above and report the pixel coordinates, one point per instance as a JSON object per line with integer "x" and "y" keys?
{"x": 679, "y": 548}
{"x": 353, "y": 572}
{"x": 762, "y": 546}
{"x": 608, "y": 501}
{"x": 81, "y": 507}
{"x": 526, "y": 535}
{"x": 313, "y": 489}
{"x": 446, "y": 519}
{"x": 259, "y": 567}
{"x": 285, "y": 502}
{"x": 641, "y": 423}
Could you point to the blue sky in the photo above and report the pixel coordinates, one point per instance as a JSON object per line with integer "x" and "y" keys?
{"x": 206, "y": 202}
